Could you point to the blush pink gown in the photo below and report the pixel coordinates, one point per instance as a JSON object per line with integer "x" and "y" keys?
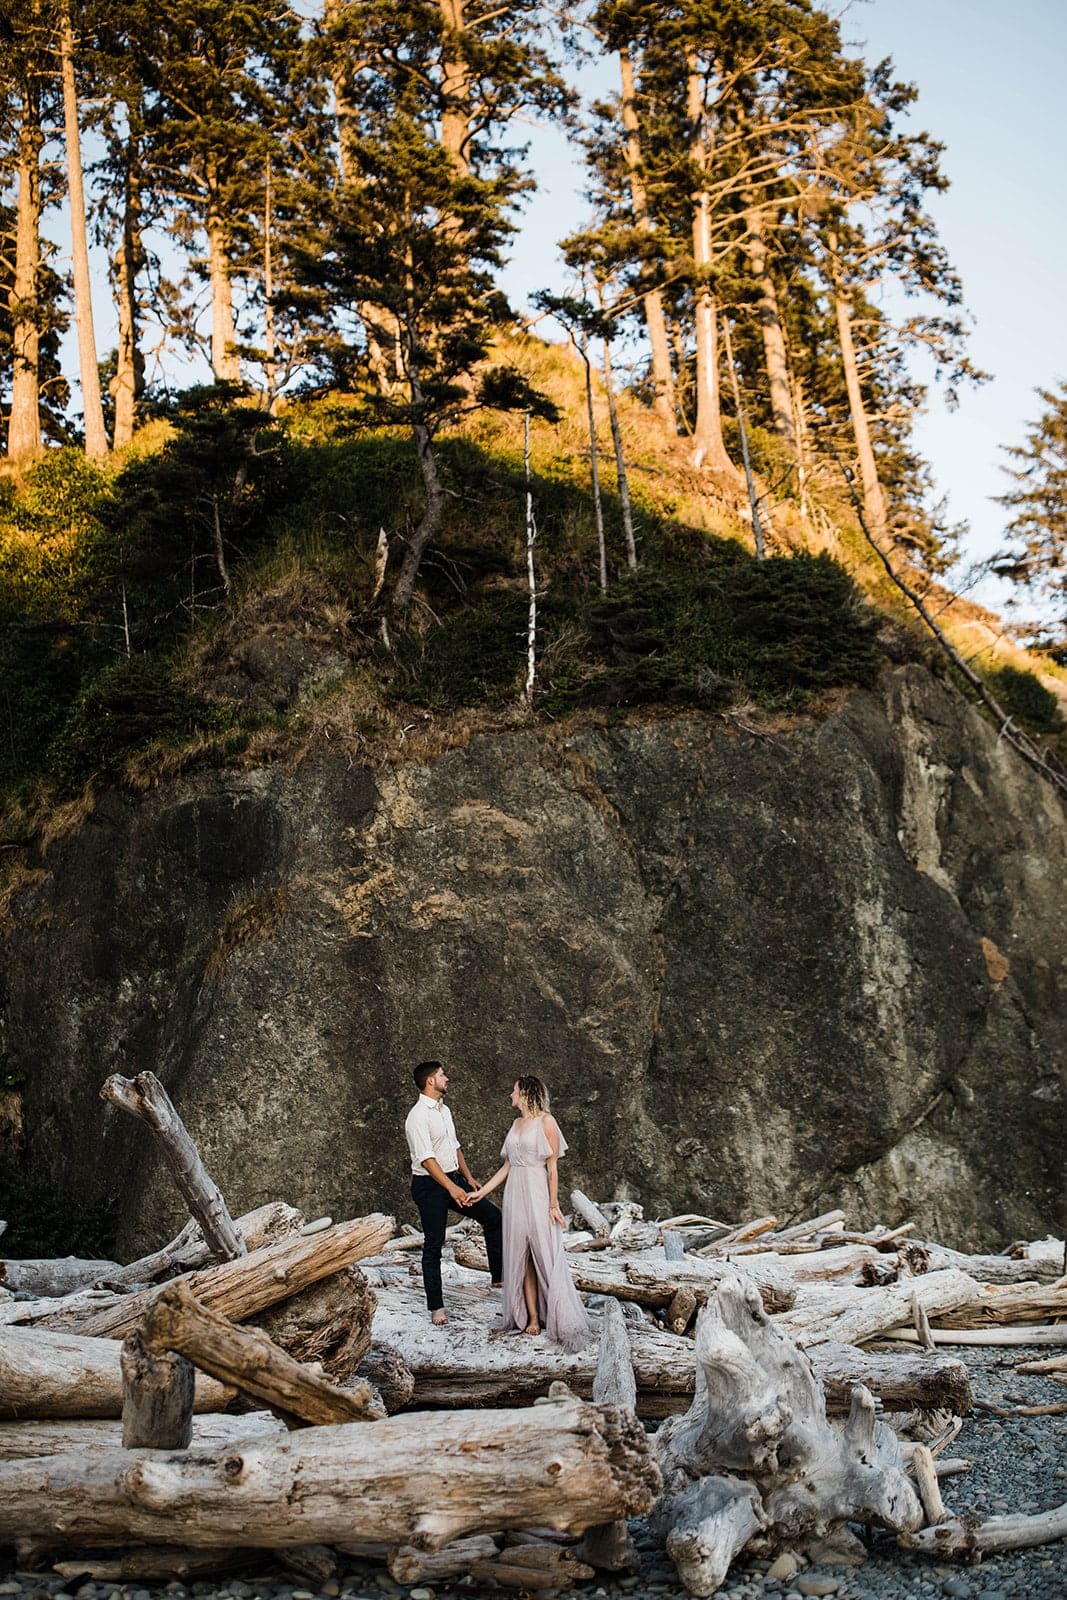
{"x": 530, "y": 1235}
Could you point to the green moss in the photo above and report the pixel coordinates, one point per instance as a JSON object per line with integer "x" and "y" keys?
{"x": 1025, "y": 698}
{"x": 472, "y": 658}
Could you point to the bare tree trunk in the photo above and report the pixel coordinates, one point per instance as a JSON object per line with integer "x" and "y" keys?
{"x": 24, "y": 424}
{"x": 224, "y": 362}
{"x": 750, "y": 482}
{"x": 531, "y": 573}
{"x": 594, "y": 468}
{"x": 455, "y": 85}
{"x": 430, "y": 522}
{"x": 620, "y": 461}
{"x": 92, "y": 409}
{"x": 770, "y": 321}
{"x": 708, "y": 446}
{"x": 129, "y": 377}
{"x": 873, "y": 498}
{"x": 652, "y": 301}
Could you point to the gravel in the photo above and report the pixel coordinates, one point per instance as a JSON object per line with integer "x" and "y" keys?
{"x": 1020, "y": 1464}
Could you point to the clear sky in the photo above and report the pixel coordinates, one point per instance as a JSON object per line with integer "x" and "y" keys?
{"x": 990, "y": 77}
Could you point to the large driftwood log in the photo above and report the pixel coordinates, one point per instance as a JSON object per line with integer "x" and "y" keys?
{"x": 146, "y": 1098}
{"x": 330, "y": 1323}
{"x": 609, "y": 1546}
{"x": 51, "y": 1279}
{"x": 249, "y": 1360}
{"x": 900, "y": 1380}
{"x": 563, "y": 1466}
{"x": 755, "y": 1463}
{"x": 238, "y": 1289}
{"x": 591, "y": 1214}
{"x": 969, "y": 1540}
{"x": 211, "y": 1431}
{"x": 652, "y": 1281}
{"x": 921, "y": 1255}
{"x": 48, "y": 1374}
{"x": 854, "y": 1316}
{"x": 157, "y": 1396}
{"x": 151, "y": 1561}
{"x": 189, "y": 1250}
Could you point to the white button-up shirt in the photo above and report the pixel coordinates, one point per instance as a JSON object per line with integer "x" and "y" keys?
{"x": 431, "y": 1132}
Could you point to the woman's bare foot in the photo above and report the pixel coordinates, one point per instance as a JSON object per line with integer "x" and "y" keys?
{"x": 439, "y": 1319}
{"x": 532, "y": 1328}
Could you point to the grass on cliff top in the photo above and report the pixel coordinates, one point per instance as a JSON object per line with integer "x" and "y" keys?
{"x": 121, "y": 657}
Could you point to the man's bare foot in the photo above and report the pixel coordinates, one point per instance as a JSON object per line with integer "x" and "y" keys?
{"x": 439, "y": 1319}
{"x": 532, "y": 1328}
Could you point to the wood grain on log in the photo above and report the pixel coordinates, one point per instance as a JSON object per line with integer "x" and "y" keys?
{"x": 249, "y": 1360}
{"x": 188, "y": 1250}
{"x": 146, "y": 1098}
{"x": 385, "y": 1368}
{"x": 50, "y": 1279}
{"x": 567, "y": 1466}
{"x": 651, "y": 1281}
{"x": 329, "y": 1323}
{"x": 591, "y": 1214}
{"x": 965, "y": 1540}
{"x": 238, "y": 1289}
{"x": 902, "y": 1381}
{"x": 48, "y": 1374}
{"x": 157, "y": 1396}
{"x": 609, "y": 1546}
{"x": 211, "y": 1431}
{"x": 408, "y": 1565}
{"x": 854, "y": 1316}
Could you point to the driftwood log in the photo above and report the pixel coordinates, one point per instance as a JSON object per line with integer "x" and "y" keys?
{"x": 239, "y": 1288}
{"x": 157, "y": 1396}
{"x": 857, "y": 1315}
{"x": 652, "y": 1281}
{"x": 968, "y": 1541}
{"x": 329, "y": 1323}
{"x": 47, "y": 1374}
{"x": 146, "y": 1098}
{"x": 51, "y": 1279}
{"x": 386, "y": 1370}
{"x": 755, "y": 1463}
{"x": 453, "y": 1560}
{"x": 211, "y": 1431}
{"x": 609, "y": 1546}
{"x": 247, "y": 1359}
{"x": 565, "y": 1466}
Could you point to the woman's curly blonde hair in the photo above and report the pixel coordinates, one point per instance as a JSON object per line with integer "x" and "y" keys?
{"x": 533, "y": 1095}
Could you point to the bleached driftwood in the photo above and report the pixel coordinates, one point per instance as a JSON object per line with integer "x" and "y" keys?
{"x": 652, "y": 1281}
{"x": 146, "y": 1098}
{"x": 50, "y": 1279}
{"x": 566, "y": 1466}
{"x": 966, "y": 1540}
{"x": 921, "y": 1255}
{"x": 1009, "y": 1303}
{"x": 211, "y": 1431}
{"x": 408, "y": 1565}
{"x": 48, "y": 1374}
{"x": 189, "y": 1250}
{"x": 856, "y": 1315}
{"x": 591, "y": 1214}
{"x": 1051, "y": 1333}
{"x": 329, "y": 1323}
{"x": 900, "y": 1380}
{"x": 249, "y": 1360}
{"x": 157, "y": 1396}
{"x": 385, "y": 1368}
{"x": 238, "y": 1289}
{"x": 609, "y": 1546}
{"x": 755, "y": 1462}
{"x": 539, "y": 1568}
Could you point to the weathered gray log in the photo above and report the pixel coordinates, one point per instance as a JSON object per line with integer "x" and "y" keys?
{"x": 157, "y": 1396}
{"x": 609, "y": 1547}
{"x": 965, "y": 1540}
{"x": 47, "y": 1374}
{"x": 758, "y": 1425}
{"x": 188, "y": 1250}
{"x": 591, "y": 1214}
{"x": 673, "y": 1245}
{"x": 408, "y": 1565}
{"x": 1050, "y": 1333}
{"x": 330, "y": 1323}
{"x": 922, "y": 1256}
{"x": 566, "y": 1466}
{"x": 900, "y": 1380}
{"x": 146, "y": 1098}
{"x": 151, "y": 1561}
{"x": 238, "y": 1289}
{"x": 855, "y": 1316}
{"x": 539, "y": 1568}
{"x": 249, "y": 1360}
{"x": 211, "y": 1431}
{"x": 386, "y": 1370}
{"x": 51, "y": 1278}
{"x": 651, "y": 1281}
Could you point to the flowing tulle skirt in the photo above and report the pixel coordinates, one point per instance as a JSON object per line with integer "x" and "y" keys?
{"x": 529, "y": 1235}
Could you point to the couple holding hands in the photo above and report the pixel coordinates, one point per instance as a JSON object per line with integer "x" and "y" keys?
{"x": 525, "y": 1245}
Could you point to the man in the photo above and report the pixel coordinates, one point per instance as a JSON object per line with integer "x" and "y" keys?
{"x": 441, "y": 1182}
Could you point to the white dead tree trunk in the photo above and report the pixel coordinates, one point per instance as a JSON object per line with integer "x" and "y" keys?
{"x": 531, "y": 575}
{"x": 145, "y": 1097}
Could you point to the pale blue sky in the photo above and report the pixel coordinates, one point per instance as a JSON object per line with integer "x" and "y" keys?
{"x": 990, "y": 77}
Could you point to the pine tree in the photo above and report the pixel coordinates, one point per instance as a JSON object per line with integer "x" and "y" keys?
{"x": 1036, "y": 560}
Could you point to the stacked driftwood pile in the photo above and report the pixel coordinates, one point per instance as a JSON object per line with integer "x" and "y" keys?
{"x": 238, "y": 1391}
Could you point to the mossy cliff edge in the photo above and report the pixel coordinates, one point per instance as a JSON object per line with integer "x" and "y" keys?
{"x": 763, "y": 965}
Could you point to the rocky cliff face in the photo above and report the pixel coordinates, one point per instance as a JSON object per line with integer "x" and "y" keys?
{"x": 760, "y": 971}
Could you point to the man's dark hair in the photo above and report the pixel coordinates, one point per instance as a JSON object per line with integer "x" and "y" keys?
{"x": 424, "y": 1070}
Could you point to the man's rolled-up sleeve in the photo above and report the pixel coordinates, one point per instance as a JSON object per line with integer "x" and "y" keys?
{"x": 417, "y": 1129}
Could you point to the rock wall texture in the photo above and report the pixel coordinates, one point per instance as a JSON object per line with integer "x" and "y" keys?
{"x": 759, "y": 971}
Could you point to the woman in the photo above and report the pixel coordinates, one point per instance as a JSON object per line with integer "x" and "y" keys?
{"x": 538, "y": 1291}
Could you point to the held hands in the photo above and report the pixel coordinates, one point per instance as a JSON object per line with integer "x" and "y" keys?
{"x": 474, "y": 1196}
{"x": 460, "y": 1196}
